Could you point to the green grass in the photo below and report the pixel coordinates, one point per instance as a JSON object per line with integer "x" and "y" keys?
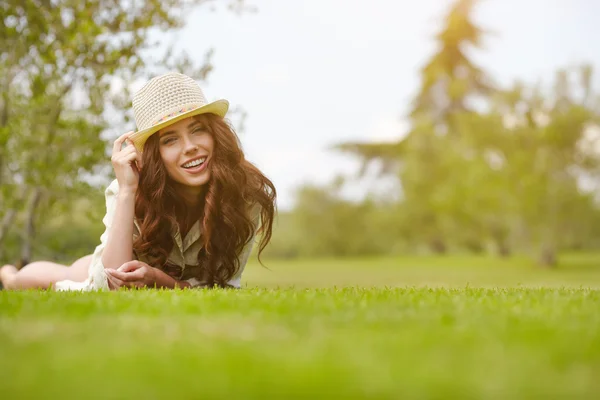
{"x": 574, "y": 270}
{"x": 359, "y": 341}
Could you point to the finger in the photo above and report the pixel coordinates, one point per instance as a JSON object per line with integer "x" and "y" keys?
{"x": 127, "y": 277}
{"x": 119, "y": 275}
{"x": 119, "y": 142}
{"x": 130, "y": 266}
{"x": 138, "y": 160}
{"x": 127, "y": 158}
{"x": 113, "y": 283}
{"x": 130, "y": 145}
{"x": 127, "y": 151}
{"x": 119, "y": 284}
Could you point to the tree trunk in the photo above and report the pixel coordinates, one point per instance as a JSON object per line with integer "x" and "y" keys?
{"x": 29, "y": 228}
{"x": 437, "y": 245}
{"x": 4, "y": 121}
{"x": 36, "y": 196}
{"x": 503, "y": 249}
{"x": 9, "y": 216}
{"x": 500, "y": 241}
{"x": 7, "y": 221}
{"x": 547, "y": 257}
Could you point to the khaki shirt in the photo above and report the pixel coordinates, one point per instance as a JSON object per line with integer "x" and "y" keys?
{"x": 182, "y": 263}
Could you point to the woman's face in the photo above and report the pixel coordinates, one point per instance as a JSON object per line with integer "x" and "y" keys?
{"x": 186, "y": 148}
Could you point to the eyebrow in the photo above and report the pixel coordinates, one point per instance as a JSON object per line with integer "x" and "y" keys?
{"x": 190, "y": 126}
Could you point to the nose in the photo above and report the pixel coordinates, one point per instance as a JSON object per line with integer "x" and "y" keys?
{"x": 189, "y": 146}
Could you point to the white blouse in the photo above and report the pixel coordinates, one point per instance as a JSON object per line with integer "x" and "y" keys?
{"x": 182, "y": 263}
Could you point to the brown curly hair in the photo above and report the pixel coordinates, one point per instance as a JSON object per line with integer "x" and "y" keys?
{"x": 234, "y": 188}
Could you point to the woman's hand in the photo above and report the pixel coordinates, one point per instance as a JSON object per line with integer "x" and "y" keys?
{"x": 132, "y": 274}
{"x": 126, "y": 163}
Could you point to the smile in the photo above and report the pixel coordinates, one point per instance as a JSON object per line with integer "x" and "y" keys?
{"x": 195, "y": 166}
{"x": 194, "y": 163}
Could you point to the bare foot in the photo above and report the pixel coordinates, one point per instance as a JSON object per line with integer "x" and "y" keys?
{"x": 7, "y": 273}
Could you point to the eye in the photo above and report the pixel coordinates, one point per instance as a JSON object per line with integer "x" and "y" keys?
{"x": 199, "y": 129}
{"x": 169, "y": 140}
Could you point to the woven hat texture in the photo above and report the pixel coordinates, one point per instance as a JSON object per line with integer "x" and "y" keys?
{"x": 167, "y": 99}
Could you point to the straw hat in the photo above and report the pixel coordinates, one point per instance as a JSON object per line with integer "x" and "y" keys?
{"x": 167, "y": 99}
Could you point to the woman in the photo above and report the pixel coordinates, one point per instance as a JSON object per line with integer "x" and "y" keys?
{"x": 184, "y": 208}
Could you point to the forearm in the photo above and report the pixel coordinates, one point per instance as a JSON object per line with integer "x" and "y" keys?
{"x": 164, "y": 281}
{"x": 119, "y": 245}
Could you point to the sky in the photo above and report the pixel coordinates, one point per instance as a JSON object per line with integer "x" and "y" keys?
{"x": 314, "y": 73}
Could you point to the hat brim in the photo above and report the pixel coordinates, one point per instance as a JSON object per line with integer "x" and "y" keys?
{"x": 218, "y": 107}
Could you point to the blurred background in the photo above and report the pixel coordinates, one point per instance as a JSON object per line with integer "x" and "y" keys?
{"x": 429, "y": 142}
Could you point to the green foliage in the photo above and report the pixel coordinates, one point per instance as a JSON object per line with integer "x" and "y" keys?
{"x": 65, "y": 69}
{"x": 324, "y": 223}
{"x": 449, "y": 79}
{"x": 428, "y": 158}
{"x": 484, "y": 167}
{"x": 71, "y": 229}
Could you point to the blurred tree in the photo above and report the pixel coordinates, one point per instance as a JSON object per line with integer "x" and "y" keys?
{"x": 323, "y": 223}
{"x": 483, "y": 166}
{"x": 551, "y": 149}
{"x": 429, "y": 160}
{"x": 65, "y": 73}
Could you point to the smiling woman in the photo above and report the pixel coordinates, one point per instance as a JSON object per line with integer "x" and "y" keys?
{"x": 177, "y": 145}
{"x": 185, "y": 206}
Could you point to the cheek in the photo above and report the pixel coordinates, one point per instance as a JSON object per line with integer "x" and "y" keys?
{"x": 206, "y": 142}
{"x": 169, "y": 157}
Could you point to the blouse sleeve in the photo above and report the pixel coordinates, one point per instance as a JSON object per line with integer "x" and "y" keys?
{"x": 243, "y": 257}
{"x": 96, "y": 276}
{"x": 96, "y": 271}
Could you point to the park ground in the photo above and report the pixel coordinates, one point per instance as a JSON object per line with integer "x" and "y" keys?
{"x": 402, "y": 327}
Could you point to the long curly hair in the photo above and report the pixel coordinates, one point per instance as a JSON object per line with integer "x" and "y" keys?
{"x": 235, "y": 187}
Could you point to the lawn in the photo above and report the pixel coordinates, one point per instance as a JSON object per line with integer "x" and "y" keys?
{"x": 573, "y": 270}
{"x": 331, "y": 330}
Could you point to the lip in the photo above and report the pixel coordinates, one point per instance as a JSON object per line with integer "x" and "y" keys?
{"x": 194, "y": 159}
{"x": 197, "y": 169}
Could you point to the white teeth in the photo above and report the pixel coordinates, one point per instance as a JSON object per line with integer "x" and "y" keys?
{"x": 194, "y": 163}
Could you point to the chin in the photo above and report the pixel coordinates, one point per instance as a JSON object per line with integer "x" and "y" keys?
{"x": 195, "y": 181}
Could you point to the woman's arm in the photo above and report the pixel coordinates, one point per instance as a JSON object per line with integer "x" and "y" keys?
{"x": 138, "y": 274}
{"x": 119, "y": 245}
{"x": 97, "y": 276}
{"x": 162, "y": 280}
{"x": 125, "y": 161}
{"x": 116, "y": 243}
